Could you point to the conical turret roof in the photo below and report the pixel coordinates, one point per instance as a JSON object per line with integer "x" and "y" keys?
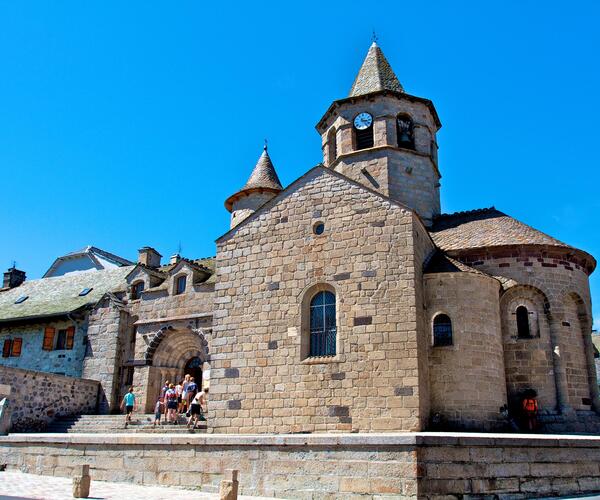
{"x": 264, "y": 175}
{"x": 375, "y": 74}
{"x": 262, "y": 178}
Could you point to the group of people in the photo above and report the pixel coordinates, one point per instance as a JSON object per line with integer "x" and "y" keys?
{"x": 175, "y": 399}
{"x": 182, "y": 398}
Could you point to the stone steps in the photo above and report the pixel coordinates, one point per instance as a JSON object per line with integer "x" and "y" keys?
{"x": 116, "y": 423}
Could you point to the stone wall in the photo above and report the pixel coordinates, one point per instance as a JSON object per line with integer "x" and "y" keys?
{"x": 106, "y": 335}
{"x": 515, "y": 466}
{"x": 37, "y": 398}
{"x": 269, "y": 267}
{"x": 335, "y": 466}
{"x": 557, "y": 276}
{"x": 63, "y": 362}
{"x": 467, "y": 378}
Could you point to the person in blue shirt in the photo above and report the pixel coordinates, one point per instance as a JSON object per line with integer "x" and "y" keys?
{"x": 129, "y": 404}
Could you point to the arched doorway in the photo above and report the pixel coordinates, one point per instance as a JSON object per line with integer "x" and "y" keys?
{"x": 171, "y": 354}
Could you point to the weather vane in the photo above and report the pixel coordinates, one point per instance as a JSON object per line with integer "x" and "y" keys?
{"x": 374, "y": 37}
{"x": 266, "y": 144}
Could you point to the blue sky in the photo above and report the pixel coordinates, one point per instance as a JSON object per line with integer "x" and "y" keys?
{"x": 126, "y": 124}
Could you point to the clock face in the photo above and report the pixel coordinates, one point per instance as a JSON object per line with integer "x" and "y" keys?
{"x": 363, "y": 121}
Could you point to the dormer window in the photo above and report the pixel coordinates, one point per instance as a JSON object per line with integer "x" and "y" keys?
{"x": 405, "y": 131}
{"x": 84, "y": 292}
{"x": 180, "y": 284}
{"x": 136, "y": 290}
{"x": 363, "y": 131}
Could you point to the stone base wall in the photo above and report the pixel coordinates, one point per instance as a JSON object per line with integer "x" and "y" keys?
{"x": 37, "y": 398}
{"x": 344, "y": 466}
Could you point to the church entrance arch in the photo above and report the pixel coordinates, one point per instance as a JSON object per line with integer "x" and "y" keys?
{"x": 173, "y": 353}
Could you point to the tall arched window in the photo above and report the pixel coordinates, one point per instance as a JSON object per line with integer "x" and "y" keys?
{"x": 323, "y": 326}
{"x": 332, "y": 145}
{"x": 405, "y": 131}
{"x": 442, "y": 330}
{"x": 523, "y": 330}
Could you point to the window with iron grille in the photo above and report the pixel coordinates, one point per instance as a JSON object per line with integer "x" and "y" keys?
{"x": 442, "y": 330}
{"x": 322, "y": 325}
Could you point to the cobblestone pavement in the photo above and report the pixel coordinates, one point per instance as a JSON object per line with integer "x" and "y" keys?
{"x": 21, "y": 486}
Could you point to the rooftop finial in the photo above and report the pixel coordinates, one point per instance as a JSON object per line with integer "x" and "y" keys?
{"x": 266, "y": 145}
{"x": 374, "y": 37}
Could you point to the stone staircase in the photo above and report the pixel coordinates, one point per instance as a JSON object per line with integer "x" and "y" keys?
{"x": 116, "y": 423}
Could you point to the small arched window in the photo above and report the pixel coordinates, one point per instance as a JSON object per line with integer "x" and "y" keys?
{"x": 136, "y": 290}
{"x": 523, "y": 330}
{"x": 332, "y": 145}
{"x": 323, "y": 328}
{"x": 405, "y": 131}
{"x": 442, "y": 330}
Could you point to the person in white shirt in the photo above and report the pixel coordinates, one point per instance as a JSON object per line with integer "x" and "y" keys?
{"x": 196, "y": 408}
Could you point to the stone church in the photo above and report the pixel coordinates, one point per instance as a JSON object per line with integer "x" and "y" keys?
{"x": 347, "y": 301}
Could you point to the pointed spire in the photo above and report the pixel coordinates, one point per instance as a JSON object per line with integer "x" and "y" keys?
{"x": 375, "y": 74}
{"x": 264, "y": 175}
{"x": 263, "y": 178}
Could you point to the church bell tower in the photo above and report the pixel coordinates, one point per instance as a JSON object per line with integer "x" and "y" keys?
{"x": 385, "y": 138}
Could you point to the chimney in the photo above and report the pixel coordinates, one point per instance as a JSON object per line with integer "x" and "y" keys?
{"x": 13, "y": 278}
{"x": 175, "y": 258}
{"x": 149, "y": 257}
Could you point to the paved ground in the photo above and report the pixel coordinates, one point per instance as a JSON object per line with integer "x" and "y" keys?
{"x": 20, "y": 486}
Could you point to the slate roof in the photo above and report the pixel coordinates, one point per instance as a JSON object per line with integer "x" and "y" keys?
{"x": 263, "y": 176}
{"x": 486, "y": 227}
{"x": 60, "y": 295}
{"x": 90, "y": 251}
{"x": 375, "y": 74}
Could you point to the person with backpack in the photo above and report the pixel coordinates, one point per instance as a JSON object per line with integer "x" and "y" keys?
{"x": 171, "y": 398}
{"x": 191, "y": 391}
{"x": 530, "y": 409}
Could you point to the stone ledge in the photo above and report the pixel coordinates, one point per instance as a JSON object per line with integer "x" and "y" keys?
{"x": 352, "y": 440}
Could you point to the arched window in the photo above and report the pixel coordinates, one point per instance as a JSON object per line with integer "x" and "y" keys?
{"x": 136, "y": 290}
{"x": 523, "y": 330}
{"x": 332, "y": 145}
{"x": 405, "y": 131}
{"x": 442, "y": 330}
{"x": 322, "y": 324}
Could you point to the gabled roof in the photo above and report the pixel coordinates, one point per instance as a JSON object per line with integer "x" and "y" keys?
{"x": 375, "y": 74}
{"x": 95, "y": 254}
{"x": 262, "y": 178}
{"x": 48, "y": 297}
{"x": 486, "y": 227}
{"x": 297, "y": 182}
